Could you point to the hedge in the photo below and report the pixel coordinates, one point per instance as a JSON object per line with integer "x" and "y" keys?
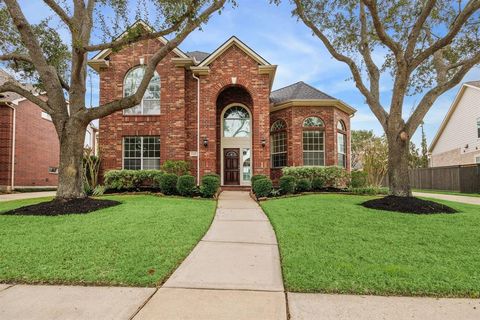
{"x": 168, "y": 183}
{"x": 359, "y": 179}
{"x": 186, "y": 185}
{"x": 287, "y": 184}
{"x": 210, "y": 185}
{"x": 303, "y": 185}
{"x": 332, "y": 176}
{"x": 257, "y": 177}
{"x": 131, "y": 179}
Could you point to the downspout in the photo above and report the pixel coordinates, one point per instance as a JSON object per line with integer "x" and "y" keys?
{"x": 198, "y": 127}
{"x": 12, "y": 183}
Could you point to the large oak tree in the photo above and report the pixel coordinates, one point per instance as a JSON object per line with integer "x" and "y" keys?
{"x": 59, "y": 70}
{"x": 425, "y": 47}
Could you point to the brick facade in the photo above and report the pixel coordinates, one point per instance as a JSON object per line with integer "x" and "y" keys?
{"x": 233, "y": 77}
{"x": 36, "y": 147}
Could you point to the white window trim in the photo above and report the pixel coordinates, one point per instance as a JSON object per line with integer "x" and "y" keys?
{"x": 46, "y": 116}
{"x": 141, "y": 151}
{"x": 344, "y": 149}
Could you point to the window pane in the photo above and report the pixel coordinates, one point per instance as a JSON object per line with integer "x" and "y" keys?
{"x": 247, "y": 167}
{"x": 279, "y": 149}
{"x": 313, "y": 122}
{"x": 313, "y": 152}
{"x": 278, "y": 125}
{"x": 141, "y": 153}
{"x": 236, "y": 128}
{"x": 478, "y": 128}
{"x": 152, "y": 94}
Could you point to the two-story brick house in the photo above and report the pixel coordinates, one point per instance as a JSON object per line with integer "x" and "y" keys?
{"x": 218, "y": 112}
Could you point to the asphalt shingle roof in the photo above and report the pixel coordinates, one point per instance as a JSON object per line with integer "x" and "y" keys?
{"x": 198, "y": 55}
{"x": 474, "y": 83}
{"x": 299, "y": 90}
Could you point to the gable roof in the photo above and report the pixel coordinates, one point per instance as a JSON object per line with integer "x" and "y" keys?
{"x": 198, "y": 56}
{"x": 99, "y": 59}
{"x": 470, "y": 84}
{"x": 234, "y": 41}
{"x": 303, "y": 94}
{"x": 299, "y": 90}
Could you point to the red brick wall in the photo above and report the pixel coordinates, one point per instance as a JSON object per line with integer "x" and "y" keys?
{"x": 234, "y": 63}
{"x": 294, "y": 117}
{"x": 6, "y": 124}
{"x": 36, "y": 147}
{"x": 169, "y": 125}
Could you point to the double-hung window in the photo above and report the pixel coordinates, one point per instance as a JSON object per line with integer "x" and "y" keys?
{"x": 313, "y": 142}
{"x": 141, "y": 153}
{"x": 278, "y": 140}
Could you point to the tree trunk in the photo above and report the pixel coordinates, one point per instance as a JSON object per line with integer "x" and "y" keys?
{"x": 70, "y": 181}
{"x": 398, "y": 178}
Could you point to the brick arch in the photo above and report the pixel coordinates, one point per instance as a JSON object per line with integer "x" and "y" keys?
{"x": 233, "y": 94}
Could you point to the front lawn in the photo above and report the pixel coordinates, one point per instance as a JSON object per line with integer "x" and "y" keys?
{"x": 329, "y": 243}
{"x": 137, "y": 243}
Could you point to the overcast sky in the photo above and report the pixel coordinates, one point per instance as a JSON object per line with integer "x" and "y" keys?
{"x": 277, "y": 36}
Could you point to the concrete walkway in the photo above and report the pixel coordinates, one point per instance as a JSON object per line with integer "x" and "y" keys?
{"x": 26, "y": 195}
{"x": 449, "y": 197}
{"x": 233, "y": 273}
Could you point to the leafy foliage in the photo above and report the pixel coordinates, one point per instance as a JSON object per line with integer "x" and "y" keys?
{"x": 257, "y": 177}
{"x": 178, "y": 167}
{"x": 303, "y": 185}
{"x": 330, "y": 176}
{"x": 210, "y": 185}
{"x": 131, "y": 179}
{"x": 262, "y": 187}
{"x": 168, "y": 183}
{"x": 186, "y": 185}
{"x": 287, "y": 184}
{"x": 359, "y": 179}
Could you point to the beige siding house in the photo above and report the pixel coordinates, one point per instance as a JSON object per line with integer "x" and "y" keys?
{"x": 457, "y": 142}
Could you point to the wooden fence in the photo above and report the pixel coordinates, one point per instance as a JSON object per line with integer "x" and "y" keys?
{"x": 464, "y": 178}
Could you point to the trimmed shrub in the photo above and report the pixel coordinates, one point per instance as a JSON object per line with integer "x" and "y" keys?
{"x": 210, "y": 185}
{"x": 121, "y": 179}
{"x": 258, "y": 177}
{"x": 168, "y": 183}
{"x": 212, "y": 174}
{"x": 186, "y": 185}
{"x": 287, "y": 184}
{"x": 177, "y": 167}
{"x": 332, "y": 176}
{"x": 262, "y": 187}
{"x": 303, "y": 185}
{"x": 131, "y": 179}
{"x": 369, "y": 191}
{"x": 318, "y": 183}
{"x": 359, "y": 179}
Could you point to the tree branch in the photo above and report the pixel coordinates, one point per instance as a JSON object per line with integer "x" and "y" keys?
{"x": 60, "y": 12}
{"x": 374, "y": 103}
{"x": 11, "y": 86}
{"x": 145, "y": 36}
{"x": 15, "y": 57}
{"x": 454, "y": 29}
{"x": 380, "y": 30}
{"x": 429, "y": 98}
{"x": 417, "y": 28}
{"x": 130, "y": 101}
{"x": 373, "y": 71}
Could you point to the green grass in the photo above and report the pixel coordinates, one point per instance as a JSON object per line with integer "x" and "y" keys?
{"x": 329, "y": 243}
{"x": 138, "y": 243}
{"x": 453, "y": 193}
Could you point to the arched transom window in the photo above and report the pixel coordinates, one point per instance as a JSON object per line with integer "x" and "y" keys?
{"x": 150, "y": 104}
{"x": 313, "y": 142}
{"x": 278, "y": 141}
{"x": 341, "y": 144}
{"x": 236, "y": 122}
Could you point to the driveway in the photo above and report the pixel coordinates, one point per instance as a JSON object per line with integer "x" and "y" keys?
{"x": 449, "y": 197}
{"x": 26, "y": 195}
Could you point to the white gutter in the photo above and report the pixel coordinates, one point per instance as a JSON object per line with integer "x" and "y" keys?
{"x": 198, "y": 127}
{"x": 12, "y": 185}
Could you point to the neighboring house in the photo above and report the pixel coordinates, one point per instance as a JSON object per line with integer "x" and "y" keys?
{"x": 216, "y": 111}
{"x": 29, "y": 147}
{"x": 457, "y": 142}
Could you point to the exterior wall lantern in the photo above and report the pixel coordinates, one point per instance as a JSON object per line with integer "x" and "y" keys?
{"x": 205, "y": 141}
{"x": 264, "y": 143}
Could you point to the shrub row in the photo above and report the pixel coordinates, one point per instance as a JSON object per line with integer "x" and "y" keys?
{"x": 168, "y": 183}
{"x": 329, "y": 177}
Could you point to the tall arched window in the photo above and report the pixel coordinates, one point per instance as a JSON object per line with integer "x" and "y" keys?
{"x": 313, "y": 142}
{"x": 236, "y": 122}
{"x": 278, "y": 141}
{"x": 341, "y": 144}
{"x": 150, "y": 104}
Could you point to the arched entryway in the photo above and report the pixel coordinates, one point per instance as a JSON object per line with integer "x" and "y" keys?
{"x": 235, "y": 123}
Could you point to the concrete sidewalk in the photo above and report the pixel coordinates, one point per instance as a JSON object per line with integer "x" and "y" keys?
{"x": 26, "y": 195}
{"x": 233, "y": 273}
{"x": 449, "y": 197}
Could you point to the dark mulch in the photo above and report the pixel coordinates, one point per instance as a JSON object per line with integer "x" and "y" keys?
{"x": 408, "y": 205}
{"x": 59, "y": 207}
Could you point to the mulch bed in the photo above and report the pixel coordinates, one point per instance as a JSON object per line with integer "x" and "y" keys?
{"x": 60, "y": 207}
{"x": 408, "y": 205}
